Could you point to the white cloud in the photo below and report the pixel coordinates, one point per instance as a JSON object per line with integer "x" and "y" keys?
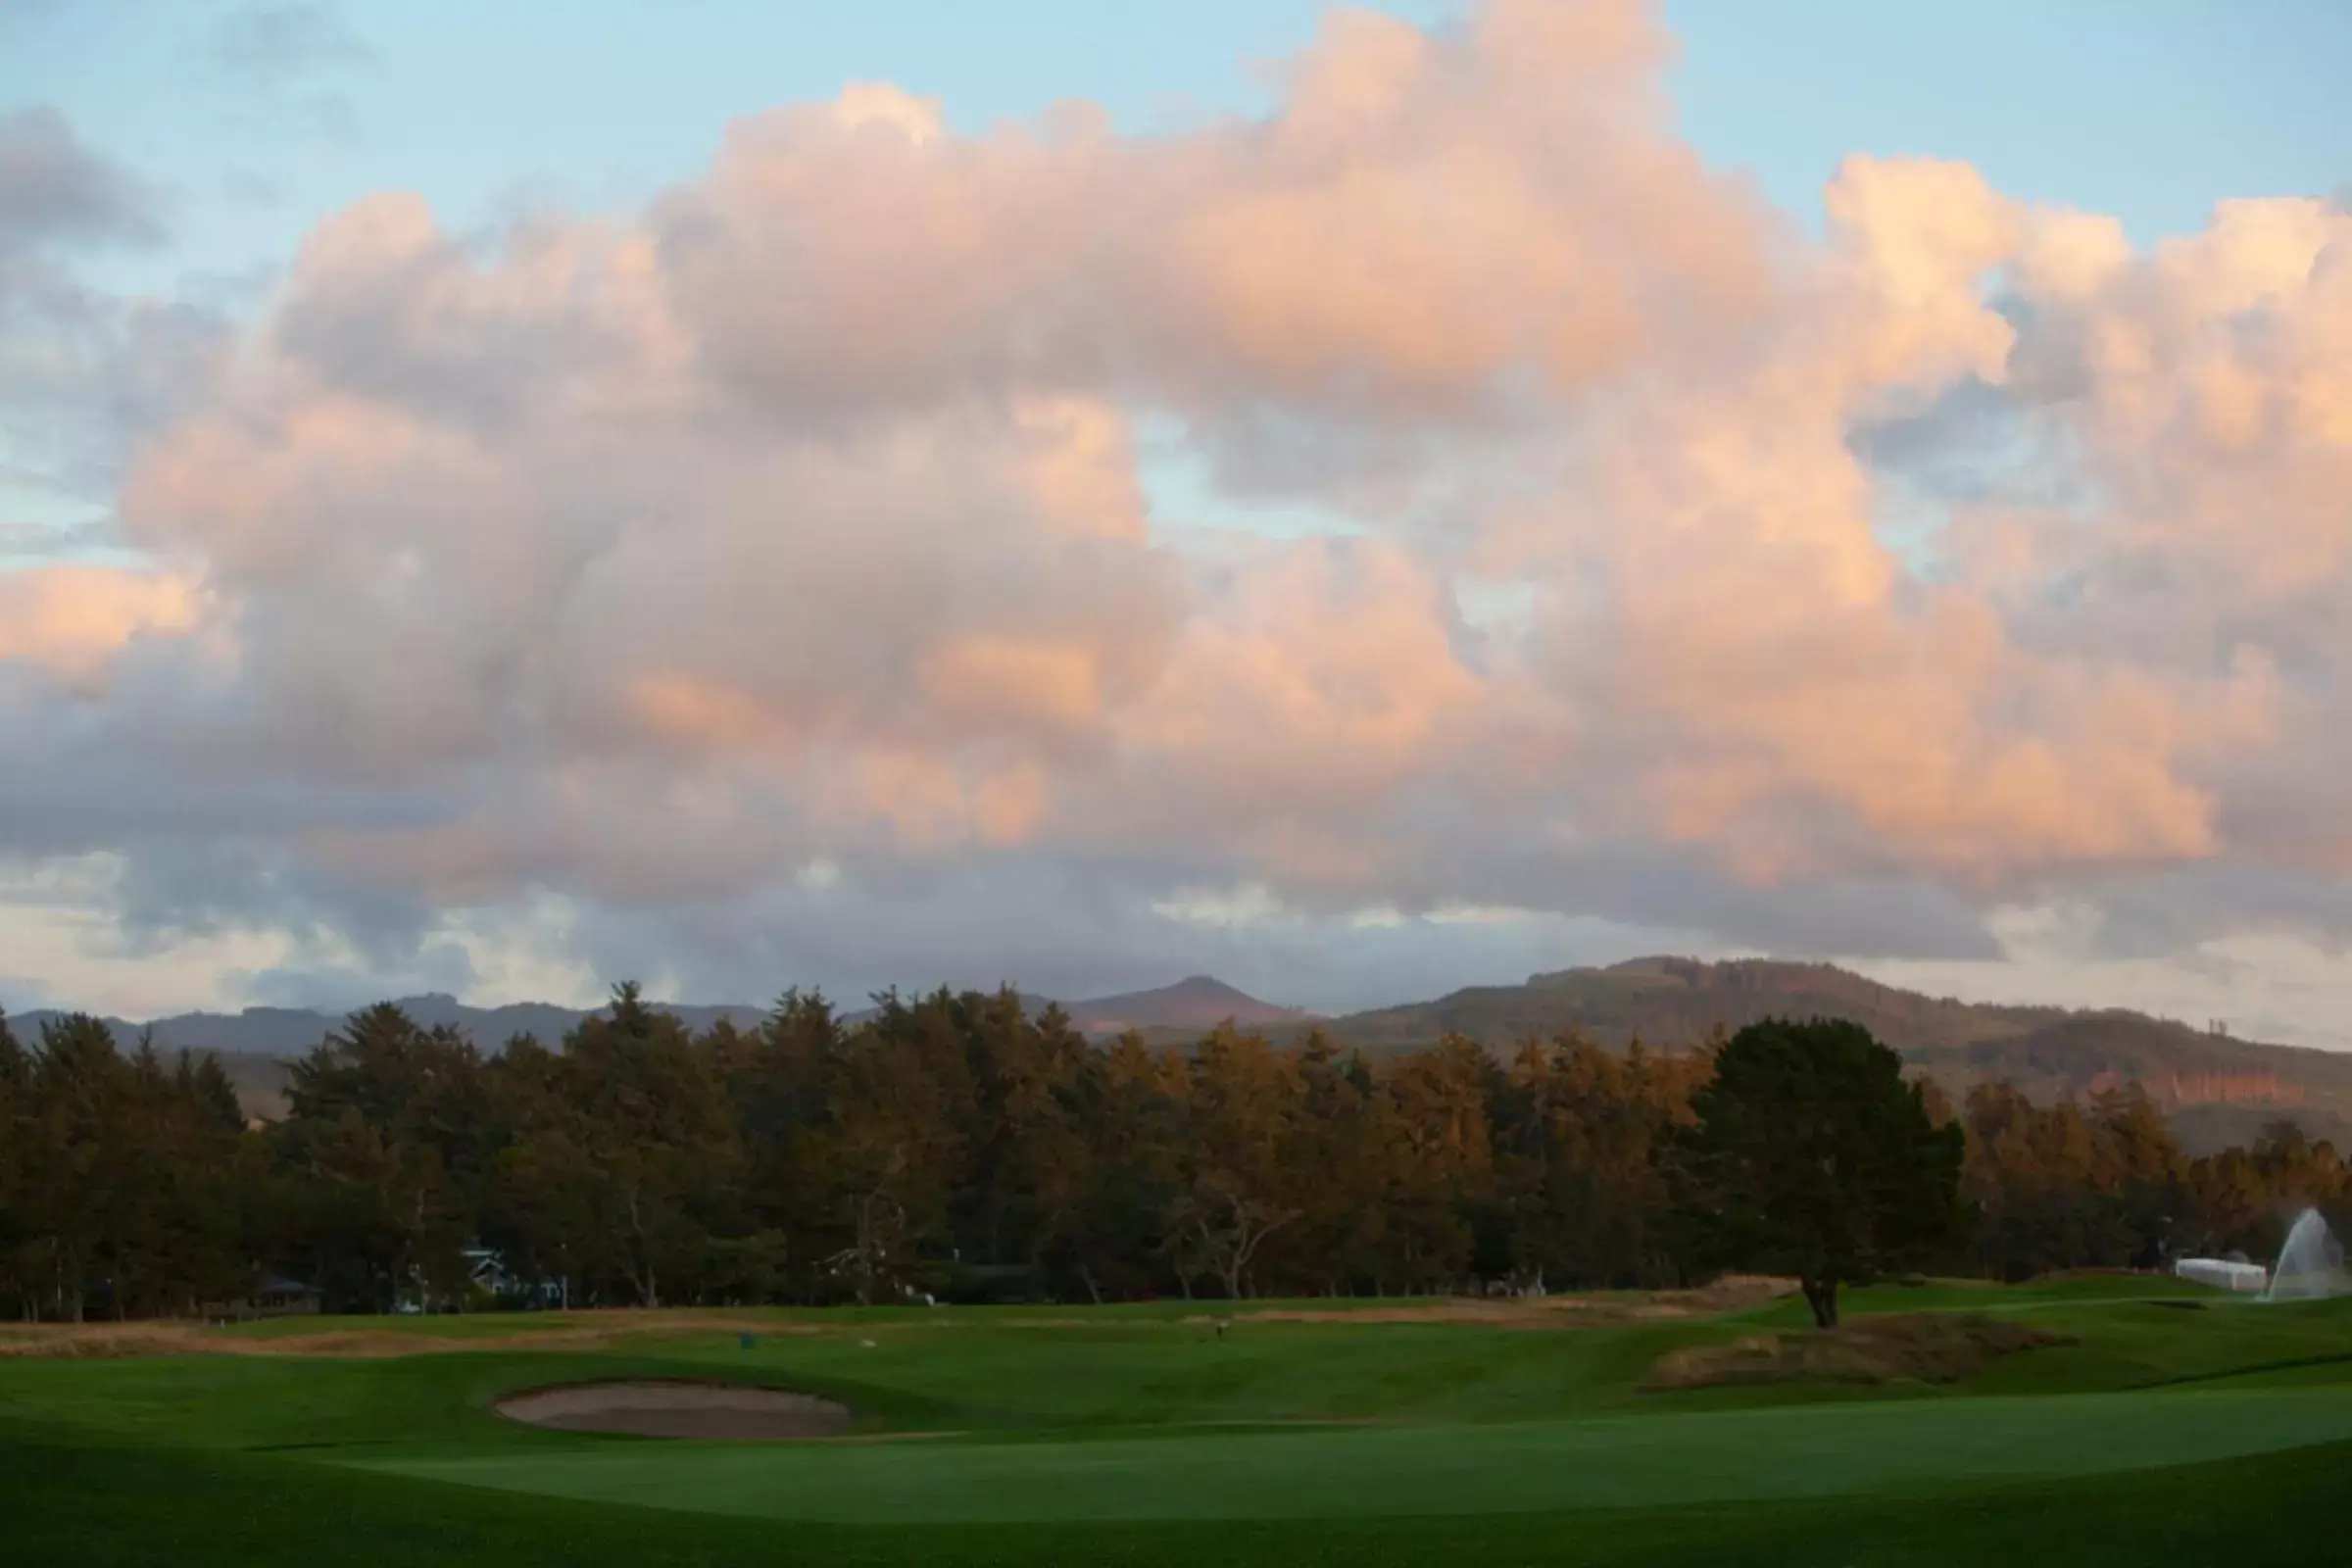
{"x": 1246, "y": 906}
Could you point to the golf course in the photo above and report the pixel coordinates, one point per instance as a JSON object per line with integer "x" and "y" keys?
{"x": 2114, "y": 1418}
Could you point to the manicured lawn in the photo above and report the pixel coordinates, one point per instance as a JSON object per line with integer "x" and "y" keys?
{"x": 72, "y": 1501}
{"x": 1134, "y": 1436}
{"x": 1486, "y": 1468}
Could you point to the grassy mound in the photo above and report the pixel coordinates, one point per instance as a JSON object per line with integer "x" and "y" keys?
{"x": 1909, "y": 1346}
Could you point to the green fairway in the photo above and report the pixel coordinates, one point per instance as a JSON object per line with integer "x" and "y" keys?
{"x": 1517, "y": 1467}
{"x": 2161, "y": 1434}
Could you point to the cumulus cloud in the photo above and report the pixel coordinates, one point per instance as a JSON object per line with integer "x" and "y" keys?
{"x": 71, "y": 621}
{"x": 773, "y": 574}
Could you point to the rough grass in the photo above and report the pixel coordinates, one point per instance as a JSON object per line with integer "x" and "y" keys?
{"x": 370, "y": 1336}
{"x": 587, "y": 1330}
{"x": 1917, "y": 1346}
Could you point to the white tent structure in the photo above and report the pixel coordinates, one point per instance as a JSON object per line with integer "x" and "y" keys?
{"x": 2222, "y": 1274}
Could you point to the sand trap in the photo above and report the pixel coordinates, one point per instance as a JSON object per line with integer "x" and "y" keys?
{"x": 679, "y": 1410}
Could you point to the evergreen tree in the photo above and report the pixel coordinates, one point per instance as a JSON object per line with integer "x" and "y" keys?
{"x": 1810, "y": 1155}
{"x": 955, "y": 1141}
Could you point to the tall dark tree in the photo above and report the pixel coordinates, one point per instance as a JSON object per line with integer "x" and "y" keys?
{"x": 1135, "y": 1117}
{"x": 82, "y": 1145}
{"x": 1811, "y": 1156}
{"x": 17, "y": 1155}
{"x": 1579, "y": 1133}
{"x": 1245, "y": 1178}
{"x": 385, "y": 1139}
{"x": 637, "y": 1147}
{"x": 1439, "y": 1162}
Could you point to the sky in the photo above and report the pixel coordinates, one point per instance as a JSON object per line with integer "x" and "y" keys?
{"x": 1360, "y": 502}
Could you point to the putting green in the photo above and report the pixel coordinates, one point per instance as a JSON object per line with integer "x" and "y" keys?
{"x": 1817, "y": 1450}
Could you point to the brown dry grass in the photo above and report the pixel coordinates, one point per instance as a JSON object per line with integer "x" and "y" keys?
{"x": 592, "y": 1330}
{"x": 1924, "y": 1347}
{"x": 582, "y": 1331}
{"x": 1730, "y": 1294}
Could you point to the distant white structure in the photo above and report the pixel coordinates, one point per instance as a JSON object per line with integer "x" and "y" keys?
{"x": 2224, "y": 1274}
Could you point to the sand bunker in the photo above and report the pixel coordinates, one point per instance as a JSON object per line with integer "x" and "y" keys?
{"x": 679, "y": 1410}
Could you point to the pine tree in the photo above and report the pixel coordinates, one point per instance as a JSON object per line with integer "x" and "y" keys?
{"x": 1811, "y": 1156}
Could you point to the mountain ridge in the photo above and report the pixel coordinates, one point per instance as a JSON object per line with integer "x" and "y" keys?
{"x": 1196, "y": 1002}
{"x": 2214, "y": 1087}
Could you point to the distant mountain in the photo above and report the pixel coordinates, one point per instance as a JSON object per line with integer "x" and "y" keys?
{"x": 1197, "y": 1002}
{"x": 1031, "y": 1003}
{"x": 292, "y": 1031}
{"x": 253, "y": 1044}
{"x": 2215, "y": 1088}
{"x": 1191, "y": 1006}
{"x": 1678, "y": 1002}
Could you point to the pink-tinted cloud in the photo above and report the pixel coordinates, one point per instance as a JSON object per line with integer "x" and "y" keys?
{"x": 803, "y": 519}
{"x": 72, "y": 622}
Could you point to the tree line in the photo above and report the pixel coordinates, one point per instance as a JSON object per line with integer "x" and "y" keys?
{"x": 955, "y": 1146}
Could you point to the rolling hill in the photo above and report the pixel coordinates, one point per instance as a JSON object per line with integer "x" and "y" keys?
{"x": 2216, "y": 1089}
{"x": 254, "y": 1045}
{"x": 1678, "y": 1002}
{"x": 1197, "y": 1002}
